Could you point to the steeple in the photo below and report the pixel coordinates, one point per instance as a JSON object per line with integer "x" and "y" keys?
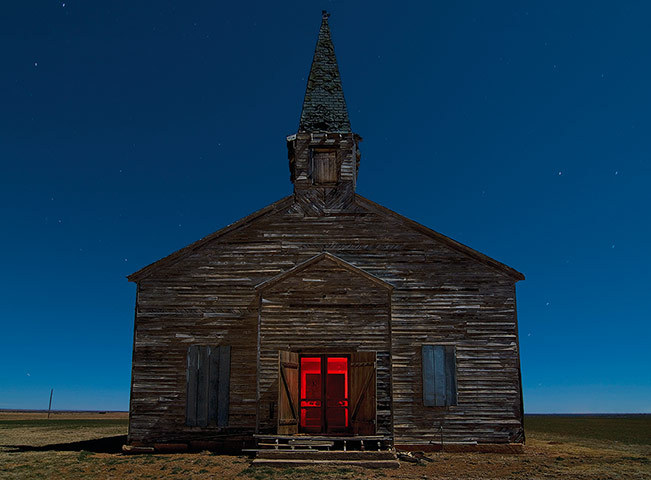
{"x": 324, "y": 106}
{"x": 323, "y": 154}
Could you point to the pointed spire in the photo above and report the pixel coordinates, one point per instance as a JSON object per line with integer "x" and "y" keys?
{"x": 324, "y": 107}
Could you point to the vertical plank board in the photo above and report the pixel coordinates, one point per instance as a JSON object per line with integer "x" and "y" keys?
{"x": 450, "y": 376}
{"x": 324, "y": 166}
{"x": 191, "y": 387}
{"x": 363, "y": 393}
{"x": 223, "y": 395}
{"x": 213, "y": 384}
{"x": 287, "y": 393}
{"x": 330, "y": 167}
{"x": 202, "y": 387}
{"x": 439, "y": 375}
{"x": 429, "y": 394}
{"x": 310, "y": 164}
{"x": 319, "y": 167}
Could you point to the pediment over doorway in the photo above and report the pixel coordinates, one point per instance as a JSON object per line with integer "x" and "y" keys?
{"x": 324, "y": 308}
{"x": 315, "y": 269}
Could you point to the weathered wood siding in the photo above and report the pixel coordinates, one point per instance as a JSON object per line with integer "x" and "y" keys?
{"x": 323, "y": 308}
{"x": 316, "y": 199}
{"x": 441, "y": 295}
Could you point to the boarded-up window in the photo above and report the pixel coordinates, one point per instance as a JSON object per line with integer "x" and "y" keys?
{"x": 439, "y": 375}
{"x": 208, "y": 383}
{"x": 324, "y": 166}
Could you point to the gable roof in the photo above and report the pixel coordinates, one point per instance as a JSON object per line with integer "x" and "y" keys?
{"x": 460, "y": 247}
{"x": 361, "y": 201}
{"x": 179, "y": 254}
{"x": 324, "y": 106}
{"x": 319, "y": 258}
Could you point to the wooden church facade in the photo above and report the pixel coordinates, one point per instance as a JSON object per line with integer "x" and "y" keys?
{"x": 326, "y": 314}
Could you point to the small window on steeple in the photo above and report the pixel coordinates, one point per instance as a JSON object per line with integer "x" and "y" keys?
{"x": 324, "y": 166}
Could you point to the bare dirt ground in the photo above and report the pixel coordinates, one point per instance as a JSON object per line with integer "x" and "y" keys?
{"x": 83, "y": 445}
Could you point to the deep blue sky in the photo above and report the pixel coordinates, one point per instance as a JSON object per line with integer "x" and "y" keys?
{"x": 130, "y": 129}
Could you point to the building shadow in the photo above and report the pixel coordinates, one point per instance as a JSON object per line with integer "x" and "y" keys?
{"x": 96, "y": 445}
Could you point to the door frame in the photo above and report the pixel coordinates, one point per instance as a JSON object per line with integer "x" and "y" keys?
{"x": 324, "y": 401}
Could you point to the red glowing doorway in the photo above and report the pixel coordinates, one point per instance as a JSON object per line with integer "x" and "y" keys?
{"x": 324, "y": 398}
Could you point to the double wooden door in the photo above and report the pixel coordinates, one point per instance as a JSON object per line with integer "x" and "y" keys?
{"x": 327, "y": 393}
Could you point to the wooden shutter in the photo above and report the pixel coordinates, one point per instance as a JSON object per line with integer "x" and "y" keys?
{"x": 324, "y": 166}
{"x": 363, "y": 393}
{"x": 439, "y": 375}
{"x": 224, "y": 386}
{"x": 191, "y": 384}
{"x": 203, "y": 372}
{"x": 450, "y": 375}
{"x": 287, "y": 393}
{"x": 208, "y": 385}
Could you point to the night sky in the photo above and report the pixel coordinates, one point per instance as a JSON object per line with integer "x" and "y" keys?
{"x": 131, "y": 129}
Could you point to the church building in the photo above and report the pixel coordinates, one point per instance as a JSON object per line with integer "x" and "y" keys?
{"x": 325, "y": 319}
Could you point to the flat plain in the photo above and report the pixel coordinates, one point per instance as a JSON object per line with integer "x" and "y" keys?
{"x": 87, "y": 446}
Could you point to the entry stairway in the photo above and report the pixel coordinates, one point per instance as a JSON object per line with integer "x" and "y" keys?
{"x": 300, "y": 450}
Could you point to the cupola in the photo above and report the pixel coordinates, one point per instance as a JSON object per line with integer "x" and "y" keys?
{"x": 323, "y": 154}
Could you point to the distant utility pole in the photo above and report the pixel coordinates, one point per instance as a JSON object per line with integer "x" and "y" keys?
{"x": 49, "y": 407}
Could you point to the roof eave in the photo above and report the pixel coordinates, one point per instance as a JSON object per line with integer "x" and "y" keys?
{"x": 181, "y": 253}
{"x": 460, "y": 247}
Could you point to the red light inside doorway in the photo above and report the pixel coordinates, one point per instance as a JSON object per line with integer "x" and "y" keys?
{"x": 337, "y": 391}
{"x": 311, "y": 393}
{"x": 324, "y": 394}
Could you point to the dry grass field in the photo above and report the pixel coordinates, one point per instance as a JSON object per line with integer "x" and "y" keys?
{"x": 83, "y": 446}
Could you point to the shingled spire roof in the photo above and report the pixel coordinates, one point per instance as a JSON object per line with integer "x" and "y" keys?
{"x": 324, "y": 107}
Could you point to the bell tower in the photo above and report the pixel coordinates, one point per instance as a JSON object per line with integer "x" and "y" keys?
{"x": 323, "y": 154}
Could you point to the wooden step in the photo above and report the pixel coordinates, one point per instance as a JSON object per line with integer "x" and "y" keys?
{"x": 310, "y": 443}
{"x": 325, "y": 455}
{"x": 349, "y": 438}
{"x": 292, "y": 446}
{"x": 297, "y": 462}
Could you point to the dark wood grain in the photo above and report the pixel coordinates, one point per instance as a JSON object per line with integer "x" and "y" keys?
{"x": 287, "y": 375}
{"x": 438, "y": 293}
{"x": 363, "y": 387}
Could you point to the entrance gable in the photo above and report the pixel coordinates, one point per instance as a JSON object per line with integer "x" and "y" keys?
{"x": 323, "y": 260}
{"x": 325, "y": 306}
